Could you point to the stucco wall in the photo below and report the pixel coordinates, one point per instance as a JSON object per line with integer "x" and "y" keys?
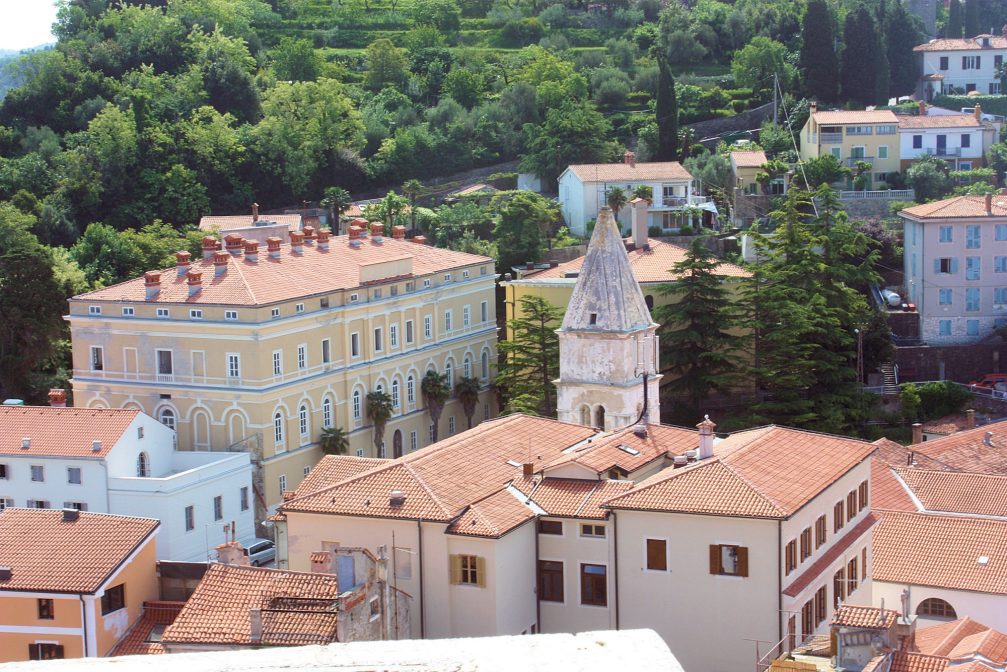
{"x": 987, "y": 608}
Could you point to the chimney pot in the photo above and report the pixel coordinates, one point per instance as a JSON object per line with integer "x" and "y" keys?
{"x": 917, "y": 433}
{"x": 273, "y": 246}
{"x": 706, "y": 437}
{"x": 209, "y": 247}
{"x": 978, "y": 112}
{"x": 195, "y": 281}
{"x": 182, "y": 262}
{"x": 57, "y": 397}
{"x": 398, "y": 232}
{"x": 970, "y": 419}
{"x": 309, "y": 235}
{"x": 321, "y": 562}
{"x": 252, "y": 250}
{"x": 296, "y": 242}
{"x": 638, "y": 223}
{"x": 323, "y": 239}
{"x": 420, "y": 240}
{"x": 377, "y": 232}
{"x": 923, "y": 108}
{"x": 988, "y": 439}
{"x": 220, "y": 263}
{"x": 989, "y": 204}
{"x": 629, "y": 158}
{"x": 528, "y": 469}
{"x": 231, "y": 552}
{"x": 255, "y": 212}
{"x": 151, "y": 284}
{"x": 70, "y": 515}
{"x": 396, "y": 498}
{"x": 26, "y": 443}
{"x": 233, "y": 243}
{"x": 813, "y": 107}
{"x": 353, "y": 231}
{"x": 96, "y": 446}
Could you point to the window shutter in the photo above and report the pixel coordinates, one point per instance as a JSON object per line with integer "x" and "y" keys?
{"x": 742, "y": 560}
{"x": 937, "y": 265}
{"x": 455, "y": 565}
{"x": 954, "y": 264}
{"x": 965, "y": 62}
{"x": 33, "y": 652}
{"x": 714, "y": 559}
{"x": 979, "y": 62}
{"x": 481, "y": 572}
{"x": 59, "y": 651}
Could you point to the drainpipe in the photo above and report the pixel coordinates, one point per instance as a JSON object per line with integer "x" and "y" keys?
{"x": 83, "y": 624}
{"x": 538, "y": 598}
{"x": 779, "y": 581}
{"x": 423, "y": 604}
{"x": 615, "y": 563}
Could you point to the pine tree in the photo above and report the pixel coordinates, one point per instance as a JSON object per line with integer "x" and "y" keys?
{"x": 863, "y": 59}
{"x": 666, "y": 111}
{"x": 531, "y": 356}
{"x": 972, "y": 27}
{"x": 697, "y": 341}
{"x": 954, "y": 28}
{"x": 819, "y": 62}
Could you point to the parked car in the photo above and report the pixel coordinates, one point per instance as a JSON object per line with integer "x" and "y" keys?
{"x": 989, "y": 380}
{"x": 260, "y": 552}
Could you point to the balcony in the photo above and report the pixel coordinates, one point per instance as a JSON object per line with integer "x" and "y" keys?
{"x": 832, "y": 138}
{"x": 942, "y": 151}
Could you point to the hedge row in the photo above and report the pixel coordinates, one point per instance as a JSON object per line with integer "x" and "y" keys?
{"x": 990, "y": 104}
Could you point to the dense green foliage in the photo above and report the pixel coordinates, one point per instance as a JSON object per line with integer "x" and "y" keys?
{"x": 530, "y": 358}
{"x": 929, "y": 401}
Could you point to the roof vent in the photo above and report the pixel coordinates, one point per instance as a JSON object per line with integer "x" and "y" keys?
{"x": 70, "y": 515}
{"x": 5, "y": 572}
{"x": 571, "y": 274}
{"x": 640, "y": 430}
{"x": 26, "y": 443}
{"x": 396, "y": 499}
{"x": 96, "y": 445}
{"x": 983, "y": 560}
{"x": 630, "y": 449}
{"x": 988, "y": 439}
{"x": 680, "y": 461}
{"x": 692, "y": 455}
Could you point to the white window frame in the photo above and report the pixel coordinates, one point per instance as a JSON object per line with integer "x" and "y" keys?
{"x": 195, "y": 314}
{"x": 357, "y": 404}
{"x": 230, "y": 314}
{"x": 157, "y": 361}
{"x": 466, "y": 316}
{"x": 41, "y": 473}
{"x": 410, "y": 389}
{"x": 379, "y": 339}
{"x": 100, "y": 359}
{"x": 413, "y": 441}
{"x": 128, "y": 311}
{"x": 303, "y": 420}
{"x": 279, "y": 430}
{"x": 163, "y": 313}
{"x": 302, "y": 356}
{"x": 277, "y": 362}
{"x": 393, "y": 335}
{"x": 410, "y": 333}
{"x": 355, "y": 345}
{"x": 283, "y": 483}
{"x": 233, "y": 365}
{"x": 69, "y": 476}
{"x": 94, "y": 310}
{"x": 274, "y": 313}
{"x": 327, "y": 412}
{"x": 448, "y": 322}
{"x": 326, "y": 351}
{"x": 428, "y": 327}
{"x": 299, "y": 308}
{"x": 484, "y": 311}
{"x": 396, "y": 393}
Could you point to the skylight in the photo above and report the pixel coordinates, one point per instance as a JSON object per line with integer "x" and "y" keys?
{"x": 629, "y": 449}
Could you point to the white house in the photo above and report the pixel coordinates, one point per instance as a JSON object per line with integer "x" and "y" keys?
{"x": 583, "y": 189}
{"x": 955, "y": 264}
{"x": 956, "y": 138}
{"x": 122, "y": 461}
{"x": 968, "y": 64}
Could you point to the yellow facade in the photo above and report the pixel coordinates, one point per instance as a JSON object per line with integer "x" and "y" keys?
{"x": 854, "y": 136}
{"x": 267, "y": 378}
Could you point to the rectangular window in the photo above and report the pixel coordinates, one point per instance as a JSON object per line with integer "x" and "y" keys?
{"x": 353, "y": 298}
{"x": 1000, "y": 295}
{"x": 218, "y": 507}
{"x": 465, "y": 274}
{"x": 323, "y": 302}
{"x": 972, "y": 298}
{"x": 306, "y": 471}
{"x": 302, "y": 357}
{"x": 1000, "y": 264}
{"x": 195, "y": 314}
{"x": 190, "y": 518}
{"x": 944, "y": 297}
{"x": 379, "y": 344}
{"x": 851, "y": 575}
{"x": 728, "y": 560}
{"x": 377, "y": 293}
{"x": 413, "y": 441}
{"x": 944, "y": 328}
{"x": 428, "y": 327}
{"x": 550, "y": 581}
{"x": 38, "y": 504}
{"x": 790, "y": 556}
{"x": 971, "y": 327}
{"x": 73, "y": 475}
{"x": 128, "y": 311}
{"x": 821, "y": 606}
{"x": 354, "y": 345}
{"x": 838, "y": 588}
{"x": 945, "y": 265}
{"x": 37, "y": 473}
{"x": 163, "y": 312}
{"x": 447, "y": 321}
{"x": 947, "y": 234}
{"x": 243, "y": 498}
{"x": 808, "y": 618}
{"x": 393, "y": 335}
{"x": 45, "y": 651}
{"x": 972, "y": 268}
{"x": 447, "y": 277}
{"x": 550, "y": 526}
{"x": 94, "y": 310}
{"x": 468, "y": 570}
{"x": 394, "y": 290}
{"x": 326, "y": 351}
{"x": 862, "y": 495}
{"x": 944, "y": 63}
{"x": 851, "y": 505}
{"x": 283, "y": 483}
{"x": 973, "y": 237}
{"x": 97, "y": 358}
{"x": 484, "y": 311}
{"x": 594, "y": 585}
{"x": 274, "y": 313}
{"x": 859, "y": 130}
{"x": 882, "y": 151}
{"x": 863, "y": 563}
{"x": 230, "y": 314}
{"x": 277, "y": 363}
{"x": 426, "y": 282}
{"x": 430, "y": 432}
{"x": 966, "y": 140}
{"x": 114, "y": 599}
{"x": 657, "y": 555}
{"x": 838, "y": 517}
{"x": 79, "y": 506}
{"x": 233, "y": 366}
{"x": 805, "y": 544}
{"x": 46, "y": 610}
{"x": 451, "y": 426}
{"x": 589, "y": 530}
{"x": 3, "y": 472}
{"x": 6, "y": 502}
{"x": 165, "y": 366}
{"x": 409, "y": 332}
{"x": 466, "y": 316}
{"x": 820, "y": 531}
{"x": 917, "y": 142}
{"x": 299, "y": 308}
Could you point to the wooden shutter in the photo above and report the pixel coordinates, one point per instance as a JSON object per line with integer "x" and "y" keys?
{"x": 714, "y": 559}
{"x": 455, "y": 567}
{"x": 742, "y": 560}
{"x": 481, "y": 572}
{"x": 657, "y": 554}
{"x": 33, "y": 652}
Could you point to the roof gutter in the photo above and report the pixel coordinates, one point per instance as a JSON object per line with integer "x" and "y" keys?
{"x": 423, "y": 603}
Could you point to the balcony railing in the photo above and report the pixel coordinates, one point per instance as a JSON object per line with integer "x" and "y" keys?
{"x": 942, "y": 151}
{"x": 832, "y": 138}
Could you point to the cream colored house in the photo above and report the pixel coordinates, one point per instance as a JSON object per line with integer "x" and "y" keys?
{"x": 260, "y": 350}
{"x": 852, "y": 136}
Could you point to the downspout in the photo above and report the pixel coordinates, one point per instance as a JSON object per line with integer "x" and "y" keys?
{"x": 423, "y": 604}
{"x": 83, "y": 624}
{"x": 538, "y": 597}
{"x": 923, "y": 273}
{"x": 615, "y": 558}
{"x": 779, "y": 581}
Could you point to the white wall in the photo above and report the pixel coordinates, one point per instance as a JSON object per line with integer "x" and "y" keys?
{"x": 957, "y": 77}
{"x": 55, "y": 489}
{"x": 990, "y": 609}
{"x": 514, "y": 581}
{"x": 953, "y": 136}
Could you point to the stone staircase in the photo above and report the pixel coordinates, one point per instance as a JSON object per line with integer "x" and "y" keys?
{"x": 891, "y": 385}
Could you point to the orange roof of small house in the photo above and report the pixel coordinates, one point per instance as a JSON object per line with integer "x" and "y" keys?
{"x": 857, "y": 616}
{"x": 748, "y": 158}
{"x": 653, "y": 265}
{"x": 332, "y": 469}
{"x": 841, "y": 117}
{"x": 960, "y": 207}
{"x": 571, "y": 497}
{"x": 62, "y": 432}
{"x": 768, "y": 472}
{"x": 493, "y": 516}
{"x": 50, "y": 553}
{"x": 961, "y": 44}
{"x": 957, "y": 491}
{"x": 627, "y": 452}
{"x": 924, "y": 121}
{"x": 954, "y": 552}
{"x": 626, "y": 172}
{"x": 268, "y": 280}
{"x": 217, "y": 612}
{"x": 157, "y": 614}
{"x": 226, "y": 223}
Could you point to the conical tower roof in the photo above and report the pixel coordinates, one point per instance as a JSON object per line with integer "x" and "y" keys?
{"x": 607, "y": 296}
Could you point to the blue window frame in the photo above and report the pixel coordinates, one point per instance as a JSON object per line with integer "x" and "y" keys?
{"x": 972, "y": 299}
{"x": 972, "y": 268}
{"x": 946, "y": 234}
{"x": 972, "y": 327}
{"x": 945, "y": 327}
{"x": 973, "y": 236}
{"x": 945, "y": 297}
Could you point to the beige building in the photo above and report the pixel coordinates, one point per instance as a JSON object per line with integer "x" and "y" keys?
{"x": 261, "y": 350}
{"x": 852, "y": 136}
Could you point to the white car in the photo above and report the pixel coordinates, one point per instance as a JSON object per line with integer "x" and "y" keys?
{"x": 260, "y": 552}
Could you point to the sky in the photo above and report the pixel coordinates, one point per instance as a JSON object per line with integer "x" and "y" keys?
{"x": 26, "y": 23}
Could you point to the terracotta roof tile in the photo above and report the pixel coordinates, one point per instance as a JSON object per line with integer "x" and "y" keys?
{"x": 939, "y": 640}
{"x": 903, "y": 661}
{"x": 941, "y": 551}
{"x": 939, "y": 121}
{"x": 616, "y": 450}
{"x": 961, "y": 206}
{"x": 137, "y": 641}
{"x": 267, "y": 281}
{"x": 653, "y": 265}
{"x": 570, "y": 497}
{"x": 887, "y": 492}
{"x": 334, "y": 469}
{"x": 49, "y": 554}
{"x": 960, "y": 44}
{"x": 957, "y": 492}
{"x": 493, "y": 516}
{"x": 855, "y": 117}
{"x": 897, "y": 455}
{"x": 991, "y": 645}
{"x": 748, "y": 158}
{"x": 218, "y": 610}
{"x": 823, "y": 563}
{"x": 856, "y": 616}
{"x": 968, "y": 450}
{"x": 62, "y": 432}
{"x": 624, "y": 172}
{"x": 230, "y": 222}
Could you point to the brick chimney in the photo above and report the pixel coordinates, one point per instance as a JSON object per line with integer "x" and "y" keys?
{"x": 195, "y": 282}
{"x": 151, "y": 284}
{"x": 252, "y": 251}
{"x": 296, "y": 242}
{"x": 323, "y": 239}
{"x": 970, "y": 419}
{"x": 232, "y": 553}
{"x": 377, "y": 232}
{"x": 209, "y": 247}
{"x": 978, "y": 112}
{"x": 399, "y": 232}
{"x": 989, "y": 204}
{"x": 182, "y": 262}
{"x": 273, "y": 246}
{"x": 706, "y": 437}
{"x": 420, "y": 240}
{"x": 923, "y": 108}
{"x": 255, "y": 625}
{"x": 233, "y": 243}
{"x": 309, "y": 235}
{"x": 255, "y": 212}
{"x": 812, "y": 107}
{"x": 638, "y": 222}
{"x": 321, "y": 562}
{"x": 629, "y": 158}
{"x": 917, "y": 433}
{"x": 220, "y": 263}
{"x": 57, "y": 397}
{"x": 355, "y": 233}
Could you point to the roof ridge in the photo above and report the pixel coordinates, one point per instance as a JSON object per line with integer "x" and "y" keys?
{"x": 244, "y": 281}
{"x": 366, "y": 472}
{"x": 772, "y": 502}
{"x": 426, "y": 488}
{"x": 587, "y": 497}
{"x": 662, "y": 477}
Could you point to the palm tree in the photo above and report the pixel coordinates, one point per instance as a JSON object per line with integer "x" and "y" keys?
{"x": 379, "y": 409}
{"x": 334, "y": 441}
{"x": 435, "y": 392}
{"x": 468, "y": 393}
{"x": 412, "y": 189}
{"x": 337, "y": 200}
{"x": 616, "y": 199}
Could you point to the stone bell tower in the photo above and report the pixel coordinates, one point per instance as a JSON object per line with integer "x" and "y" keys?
{"x": 608, "y": 341}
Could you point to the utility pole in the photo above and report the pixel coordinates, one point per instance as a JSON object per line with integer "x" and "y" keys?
{"x": 776, "y": 108}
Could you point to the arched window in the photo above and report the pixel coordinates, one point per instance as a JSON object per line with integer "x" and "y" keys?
{"x": 302, "y": 419}
{"x": 356, "y": 404}
{"x": 327, "y": 412}
{"x": 410, "y": 389}
{"x": 168, "y": 418}
{"x": 599, "y": 417}
{"x": 934, "y": 607}
{"x": 585, "y": 415}
{"x": 278, "y": 428}
{"x": 449, "y": 374}
{"x": 142, "y": 465}
{"x": 467, "y": 367}
{"x": 485, "y": 365}
{"x": 395, "y": 393}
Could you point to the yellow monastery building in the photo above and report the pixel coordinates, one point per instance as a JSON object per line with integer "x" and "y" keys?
{"x": 258, "y": 350}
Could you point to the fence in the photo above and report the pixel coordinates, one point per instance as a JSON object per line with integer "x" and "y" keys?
{"x": 890, "y": 194}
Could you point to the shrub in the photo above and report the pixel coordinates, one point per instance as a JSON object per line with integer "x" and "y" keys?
{"x": 522, "y": 32}
{"x": 942, "y": 398}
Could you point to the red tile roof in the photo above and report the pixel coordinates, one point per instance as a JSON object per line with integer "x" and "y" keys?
{"x": 957, "y": 492}
{"x": 941, "y": 551}
{"x": 137, "y": 642}
{"x": 49, "y": 554}
{"x": 939, "y": 121}
{"x": 493, "y": 516}
{"x": 624, "y": 172}
{"x": 62, "y": 432}
{"x": 960, "y": 44}
{"x": 653, "y": 265}
{"x": 887, "y": 492}
{"x": 823, "y": 563}
{"x": 615, "y": 450}
{"x": 904, "y": 661}
{"x": 856, "y": 616}
{"x": 968, "y": 450}
{"x": 855, "y": 117}
{"x": 939, "y": 640}
{"x": 334, "y": 469}
{"x": 266, "y": 281}
{"x": 218, "y": 610}
{"x": 991, "y": 645}
{"x": 960, "y": 206}
{"x": 229, "y": 222}
{"x": 748, "y": 158}
{"x": 571, "y": 497}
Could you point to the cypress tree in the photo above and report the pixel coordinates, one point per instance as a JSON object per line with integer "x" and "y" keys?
{"x": 863, "y": 60}
{"x": 972, "y": 27}
{"x": 666, "y": 111}
{"x": 819, "y": 62}
{"x": 954, "y": 27}
{"x": 904, "y": 31}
